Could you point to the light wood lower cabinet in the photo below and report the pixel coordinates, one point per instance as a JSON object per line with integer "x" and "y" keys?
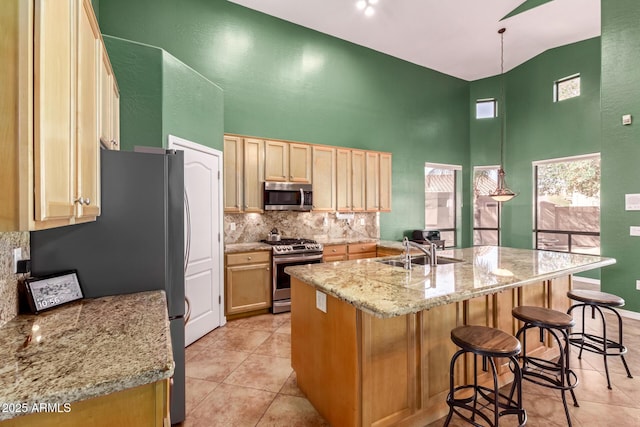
{"x": 146, "y": 405}
{"x": 247, "y": 282}
{"x": 360, "y": 370}
{"x": 361, "y": 250}
{"x": 333, "y": 253}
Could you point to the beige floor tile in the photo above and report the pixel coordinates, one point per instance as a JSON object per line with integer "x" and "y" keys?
{"x": 231, "y": 405}
{"x": 596, "y": 414}
{"x": 214, "y": 364}
{"x": 196, "y": 391}
{"x": 277, "y": 344}
{"x": 261, "y": 372}
{"x": 296, "y": 410}
{"x": 285, "y": 328}
{"x": 264, "y": 322}
{"x": 240, "y": 340}
{"x": 290, "y": 386}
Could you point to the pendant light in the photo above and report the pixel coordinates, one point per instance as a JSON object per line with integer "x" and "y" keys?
{"x": 502, "y": 193}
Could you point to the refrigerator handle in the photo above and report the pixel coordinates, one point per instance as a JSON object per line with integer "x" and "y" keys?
{"x": 187, "y": 316}
{"x": 187, "y": 249}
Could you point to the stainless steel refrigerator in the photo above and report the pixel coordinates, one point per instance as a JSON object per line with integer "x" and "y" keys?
{"x": 135, "y": 245}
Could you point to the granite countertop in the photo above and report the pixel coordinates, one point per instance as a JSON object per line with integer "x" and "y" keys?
{"x": 386, "y": 291}
{"x": 84, "y": 349}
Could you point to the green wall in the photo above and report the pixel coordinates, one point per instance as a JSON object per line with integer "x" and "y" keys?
{"x": 284, "y": 81}
{"x": 536, "y": 127}
{"x": 161, "y": 96}
{"x": 620, "y": 145}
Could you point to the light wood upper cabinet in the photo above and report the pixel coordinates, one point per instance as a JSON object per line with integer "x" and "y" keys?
{"x": 233, "y": 173}
{"x": 300, "y": 163}
{"x": 372, "y": 185}
{"x": 254, "y": 166}
{"x": 109, "y": 106}
{"x": 343, "y": 179}
{"x": 50, "y": 107}
{"x": 385, "y": 182}
{"x": 115, "y": 116}
{"x": 286, "y": 161}
{"x": 88, "y": 148}
{"x": 324, "y": 178}
{"x": 54, "y": 119}
{"x": 358, "y": 180}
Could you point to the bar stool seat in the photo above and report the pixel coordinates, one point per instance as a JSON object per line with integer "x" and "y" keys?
{"x": 555, "y": 374}
{"x": 598, "y": 344}
{"x": 487, "y": 343}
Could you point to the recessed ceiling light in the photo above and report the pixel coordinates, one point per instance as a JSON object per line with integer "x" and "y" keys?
{"x": 373, "y": 1}
{"x": 361, "y": 4}
{"x": 368, "y": 11}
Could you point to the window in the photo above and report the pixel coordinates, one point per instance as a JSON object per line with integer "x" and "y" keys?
{"x": 486, "y": 211}
{"x": 566, "y": 88}
{"x": 567, "y": 200}
{"x": 486, "y": 108}
{"x": 440, "y": 200}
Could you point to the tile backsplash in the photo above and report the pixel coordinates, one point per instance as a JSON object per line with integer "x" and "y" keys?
{"x": 250, "y": 227}
{"x": 8, "y": 279}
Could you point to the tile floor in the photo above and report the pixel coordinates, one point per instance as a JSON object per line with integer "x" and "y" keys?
{"x": 240, "y": 375}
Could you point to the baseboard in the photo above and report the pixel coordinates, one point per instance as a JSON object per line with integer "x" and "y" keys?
{"x": 629, "y": 314}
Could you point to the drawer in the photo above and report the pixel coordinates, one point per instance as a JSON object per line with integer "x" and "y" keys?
{"x": 359, "y": 248}
{"x": 248, "y": 258}
{"x": 362, "y": 255}
{"x": 333, "y": 250}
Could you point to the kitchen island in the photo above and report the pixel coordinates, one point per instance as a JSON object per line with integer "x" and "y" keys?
{"x": 377, "y": 351}
{"x": 98, "y": 362}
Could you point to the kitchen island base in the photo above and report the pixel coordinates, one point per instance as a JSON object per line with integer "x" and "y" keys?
{"x": 361, "y": 370}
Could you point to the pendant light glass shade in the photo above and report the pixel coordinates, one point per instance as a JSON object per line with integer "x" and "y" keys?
{"x": 502, "y": 193}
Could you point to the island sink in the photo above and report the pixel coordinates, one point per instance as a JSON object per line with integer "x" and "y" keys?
{"x": 419, "y": 260}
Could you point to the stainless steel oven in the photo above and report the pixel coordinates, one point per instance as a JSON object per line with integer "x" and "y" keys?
{"x": 289, "y": 252}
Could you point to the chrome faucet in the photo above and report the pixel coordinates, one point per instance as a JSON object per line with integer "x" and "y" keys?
{"x": 429, "y": 253}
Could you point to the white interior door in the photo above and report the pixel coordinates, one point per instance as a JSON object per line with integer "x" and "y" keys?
{"x": 204, "y": 280}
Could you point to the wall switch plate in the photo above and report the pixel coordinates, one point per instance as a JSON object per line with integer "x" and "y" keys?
{"x": 232, "y": 226}
{"x": 17, "y": 256}
{"x": 638, "y": 285}
{"x": 361, "y": 221}
{"x": 626, "y": 119}
{"x": 321, "y": 301}
{"x": 634, "y": 231}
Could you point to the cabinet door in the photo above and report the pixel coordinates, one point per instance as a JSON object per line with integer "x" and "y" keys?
{"x": 324, "y": 179}
{"x": 54, "y": 119}
{"x": 372, "y": 182}
{"x": 300, "y": 163}
{"x": 248, "y": 288}
{"x": 357, "y": 180}
{"x": 233, "y": 173}
{"x": 276, "y": 159}
{"x": 88, "y": 141}
{"x": 385, "y": 182}
{"x": 343, "y": 179}
{"x": 106, "y": 85}
{"x": 115, "y": 115}
{"x": 253, "y": 174}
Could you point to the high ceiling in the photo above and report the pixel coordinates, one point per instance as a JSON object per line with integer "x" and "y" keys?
{"x": 456, "y": 37}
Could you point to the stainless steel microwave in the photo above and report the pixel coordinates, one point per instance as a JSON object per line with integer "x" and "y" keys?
{"x": 287, "y": 196}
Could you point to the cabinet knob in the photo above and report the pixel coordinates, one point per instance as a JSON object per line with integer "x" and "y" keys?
{"x": 114, "y": 142}
{"x": 333, "y": 250}
{"x": 79, "y": 200}
{"x": 87, "y": 201}
{"x": 291, "y": 176}
{"x": 268, "y": 269}
{"x": 248, "y": 258}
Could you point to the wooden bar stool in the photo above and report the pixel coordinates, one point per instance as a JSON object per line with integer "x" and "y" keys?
{"x": 487, "y": 343}
{"x": 595, "y": 343}
{"x": 547, "y": 373}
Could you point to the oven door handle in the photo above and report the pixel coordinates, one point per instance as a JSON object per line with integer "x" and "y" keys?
{"x": 282, "y": 260}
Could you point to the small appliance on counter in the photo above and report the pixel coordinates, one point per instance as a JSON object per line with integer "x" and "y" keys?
{"x": 273, "y": 236}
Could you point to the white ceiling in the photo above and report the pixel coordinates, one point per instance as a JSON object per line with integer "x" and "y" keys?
{"x": 456, "y": 37}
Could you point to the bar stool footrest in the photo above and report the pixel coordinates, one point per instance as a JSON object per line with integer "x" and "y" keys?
{"x": 545, "y": 374}
{"x": 507, "y": 405}
{"x": 596, "y": 344}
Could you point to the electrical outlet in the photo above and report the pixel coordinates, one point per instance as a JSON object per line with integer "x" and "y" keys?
{"x": 638, "y": 285}
{"x": 321, "y": 301}
{"x": 634, "y": 231}
{"x": 232, "y": 226}
{"x": 17, "y": 256}
{"x": 361, "y": 221}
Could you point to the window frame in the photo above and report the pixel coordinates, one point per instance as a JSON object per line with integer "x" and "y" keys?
{"x": 457, "y": 203}
{"x": 474, "y": 228}
{"x": 569, "y": 233}
{"x": 556, "y": 84}
{"x": 494, "y": 101}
